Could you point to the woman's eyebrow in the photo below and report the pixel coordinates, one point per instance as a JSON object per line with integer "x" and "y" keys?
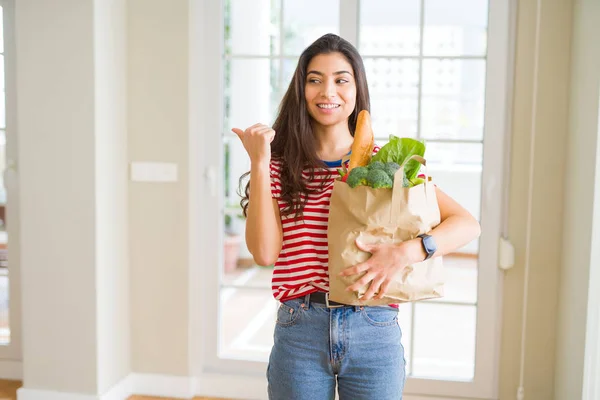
{"x": 335, "y": 73}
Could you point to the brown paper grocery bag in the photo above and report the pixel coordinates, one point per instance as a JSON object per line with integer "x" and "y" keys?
{"x": 382, "y": 216}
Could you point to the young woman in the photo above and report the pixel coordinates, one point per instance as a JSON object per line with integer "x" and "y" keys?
{"x": 318, "y": 344}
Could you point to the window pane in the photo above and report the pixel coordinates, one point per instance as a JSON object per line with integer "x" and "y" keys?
{"x": 461, "y": 279}
{"x": 455, "y": 28}
{"x": 456, "y": 168}
{"x": 289, "y": 67}
{"x": 389, "y": 27}
{"x": 444, "y": 341}
{"x": 237, "y": 163}
{"x": 246, "y": 335}
{"x": 2, "y": 111}
{"x": 1, "y": 30}
{"x": 251, "y": 27}
{"x": 393, "y": 87}
{"x": 250, "y": 92}
{"x": 2, "y": 78}
{"x": 453, "y": 99}
{"x": 2, "y": 185}
{"x": 4, "y": 274}
{"x": 304, "y": 21}
{"x": 467, "y": 156}
{"x": 4, "y": 298}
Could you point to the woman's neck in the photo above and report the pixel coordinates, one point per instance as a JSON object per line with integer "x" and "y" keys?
{"x": 333, "y": 142}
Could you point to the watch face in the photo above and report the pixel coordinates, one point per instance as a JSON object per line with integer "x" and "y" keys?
{"x": 429, "y": 244}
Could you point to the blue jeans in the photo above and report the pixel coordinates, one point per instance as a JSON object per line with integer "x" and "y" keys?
{"x": 316, "y": 347}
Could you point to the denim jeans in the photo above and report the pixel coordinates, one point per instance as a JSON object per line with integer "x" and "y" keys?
{"x": 316, "y": 347}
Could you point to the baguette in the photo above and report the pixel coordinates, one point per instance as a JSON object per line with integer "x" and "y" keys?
{"x": 362, "y": 147}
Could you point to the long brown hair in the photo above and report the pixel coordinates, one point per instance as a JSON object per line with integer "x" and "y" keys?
{"x": 294, "y": 141}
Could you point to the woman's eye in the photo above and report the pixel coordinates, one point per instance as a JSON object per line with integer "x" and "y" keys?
{"x": 313, "y": 80}
{"x": 342, "y": 81}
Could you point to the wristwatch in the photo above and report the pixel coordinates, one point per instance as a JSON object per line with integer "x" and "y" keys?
{"x": 428, "y": 245}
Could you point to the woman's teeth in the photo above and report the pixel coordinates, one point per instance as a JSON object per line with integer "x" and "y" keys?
{"x": 328, "y": 105}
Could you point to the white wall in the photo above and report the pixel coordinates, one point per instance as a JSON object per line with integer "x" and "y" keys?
{"x": 158, "y": 212}
{"x": 540, "y": 105}
{"x": 55, "y": 62}
{"x": 582, "y": 158}
{"x": 72, "y": 172}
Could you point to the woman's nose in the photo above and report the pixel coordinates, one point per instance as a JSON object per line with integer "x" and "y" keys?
{"x": 328, "y": 90}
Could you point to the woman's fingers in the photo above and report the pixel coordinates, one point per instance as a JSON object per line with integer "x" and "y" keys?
{"x": 383, "y": 289}
{"x": 368, "y": 277}
{"x": 356, "y": 269}
{"x": 374, "y": 287}
{"x": 255, "y": 130}
{"x": 269, "y": 134}
{"x": 238, "y": 132}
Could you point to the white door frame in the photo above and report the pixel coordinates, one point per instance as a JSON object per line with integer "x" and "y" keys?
{"x": 206, "y": 195}
{"x": 591, "y": 366}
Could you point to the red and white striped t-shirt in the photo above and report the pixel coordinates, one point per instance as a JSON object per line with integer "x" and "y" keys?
{"x": 301, "y": 267}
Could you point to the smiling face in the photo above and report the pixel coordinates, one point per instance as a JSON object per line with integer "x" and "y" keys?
{"x": 330, "y": 89}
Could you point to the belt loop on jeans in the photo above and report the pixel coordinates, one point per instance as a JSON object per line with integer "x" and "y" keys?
{"x": 330, "y": 305}
{"x": 307, "y": 300}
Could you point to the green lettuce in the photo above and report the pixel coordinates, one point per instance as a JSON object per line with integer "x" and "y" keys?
{"x": 399, "y": 149}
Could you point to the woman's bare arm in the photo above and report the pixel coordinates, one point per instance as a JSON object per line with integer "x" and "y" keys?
{"x": 264, "y": 233}
{"x": 456, "y": 229}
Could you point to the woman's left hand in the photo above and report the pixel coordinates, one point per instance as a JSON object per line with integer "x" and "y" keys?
{"x": 385, "y": 262}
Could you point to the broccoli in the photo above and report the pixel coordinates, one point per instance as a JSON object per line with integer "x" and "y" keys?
{"x": 376, "y": 165}
{"x": 377, "y": 178}
{"x": 406, "y": 182}
{"x": 357, "y": 177}
{"x": 391, "y": 168}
